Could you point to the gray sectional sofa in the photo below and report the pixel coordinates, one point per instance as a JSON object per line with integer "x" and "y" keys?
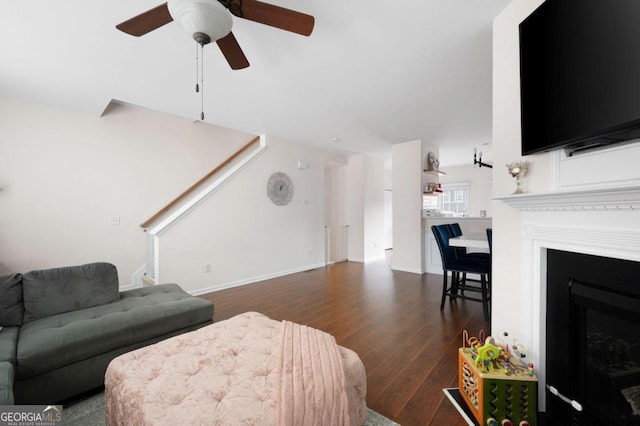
{"x": 61, "y": 327}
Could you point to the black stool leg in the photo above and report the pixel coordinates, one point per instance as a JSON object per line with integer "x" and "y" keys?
{"x": 485, "y": 297}
{"x": 444, "y": 288}
{"x": 455, "y": 282}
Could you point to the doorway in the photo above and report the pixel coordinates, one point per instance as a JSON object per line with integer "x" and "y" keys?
{"x": 336, "y": 230}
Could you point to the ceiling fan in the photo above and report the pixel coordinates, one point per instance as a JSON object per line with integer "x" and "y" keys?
{"x": 210, "y": 20}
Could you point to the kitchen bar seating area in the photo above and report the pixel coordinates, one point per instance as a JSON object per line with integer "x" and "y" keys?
{"x": 459, "y": 262}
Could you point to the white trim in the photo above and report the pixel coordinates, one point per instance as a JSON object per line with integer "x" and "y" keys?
{"x": 454, "y": 186}
{"x": 327, "y": 245}
{"x": 554, "y": 169}
{"x": 202, "y": 195}
{"x": 537, "y": 237}
{"x": 156, "y": 258}
{"x": 411, "y": 270}
{"x": 136, "y": 277}
{"x": 458, "y": 407}
{"x": 602, "y": 199}
{"x": 127, "y": 287}
{"x": 254, "y": 280}
{"x": 154, "y": 233}
{"x": 613, "y": 166}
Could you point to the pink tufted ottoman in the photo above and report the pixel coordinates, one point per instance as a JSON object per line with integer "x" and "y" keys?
{"x": 221, "y": 374}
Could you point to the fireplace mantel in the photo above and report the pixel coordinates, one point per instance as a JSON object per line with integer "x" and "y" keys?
{"x": 601, "y": 199}
{"x": 601, "y": 221}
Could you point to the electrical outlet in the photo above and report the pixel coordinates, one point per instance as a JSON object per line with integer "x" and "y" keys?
{"x": 206, "y": 268}
{"x": 114, "y": 220}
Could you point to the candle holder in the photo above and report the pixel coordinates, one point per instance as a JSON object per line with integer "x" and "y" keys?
{"x": 517, "y": 169}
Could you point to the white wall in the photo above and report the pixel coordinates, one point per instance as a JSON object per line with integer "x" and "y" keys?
{"x": 365, "y": 180}
{"x": 355, "y": 179}
{"x": 63, "y": 174}
{"x": 508, "y": 297}
{"x": 374, "y": 230}
{"x": 242, "y": 235}
{"x": 480, "y": 182}
{"x": 519, "y": 286}
{"x": 407, "y": 207}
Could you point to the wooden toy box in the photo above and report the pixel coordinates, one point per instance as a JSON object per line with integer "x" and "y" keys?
{"x": 497, "y": 397}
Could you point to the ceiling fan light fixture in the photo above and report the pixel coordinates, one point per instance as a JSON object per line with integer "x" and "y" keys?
{"x": 204, "y": 20}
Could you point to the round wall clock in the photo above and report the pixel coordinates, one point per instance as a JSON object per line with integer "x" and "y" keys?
{"x": 280, "y": 188}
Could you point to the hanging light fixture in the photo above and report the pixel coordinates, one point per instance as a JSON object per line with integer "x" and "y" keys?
{"x": 477, "y": 159}
{"x": 205, "y": 21}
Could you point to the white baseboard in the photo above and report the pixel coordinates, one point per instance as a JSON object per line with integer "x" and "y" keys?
{"x": 254, "y": 280}
{"x": 412, "y": 270}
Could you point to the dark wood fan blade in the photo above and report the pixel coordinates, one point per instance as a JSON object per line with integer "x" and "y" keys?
{"x": 276, "y": 16}
{"x": 146, "y": 21}
{"x": 232, "y": 52}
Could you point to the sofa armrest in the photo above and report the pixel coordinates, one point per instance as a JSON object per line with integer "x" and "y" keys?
{"x": 8, "y": 344}
{"x": 6, "y": 383}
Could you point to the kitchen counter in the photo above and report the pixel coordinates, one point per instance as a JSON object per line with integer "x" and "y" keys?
{"x": 457, "y": 219}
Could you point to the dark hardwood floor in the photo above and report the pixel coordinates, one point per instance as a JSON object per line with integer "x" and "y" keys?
{"x": 391, "y": 319}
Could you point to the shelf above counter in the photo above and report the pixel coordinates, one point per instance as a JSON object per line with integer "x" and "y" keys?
{"x": 434, "y": 172}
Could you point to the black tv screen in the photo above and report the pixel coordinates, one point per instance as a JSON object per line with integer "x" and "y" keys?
{"x": 580, "y": 74}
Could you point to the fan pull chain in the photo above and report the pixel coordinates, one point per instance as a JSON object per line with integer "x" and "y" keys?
{"x": 202, "y": 82}
{"x": 197, "y": 61}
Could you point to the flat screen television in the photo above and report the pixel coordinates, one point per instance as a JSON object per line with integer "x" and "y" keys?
{"x": 580, "y": 75}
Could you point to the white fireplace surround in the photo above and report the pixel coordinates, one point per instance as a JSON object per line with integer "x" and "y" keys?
{"x": 603, "y": 222}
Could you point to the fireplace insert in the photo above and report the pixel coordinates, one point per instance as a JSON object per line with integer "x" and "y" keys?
{"x": 592, "y": 340}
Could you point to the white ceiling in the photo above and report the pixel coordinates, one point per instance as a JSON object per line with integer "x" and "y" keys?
{"x": 373, "y": 73}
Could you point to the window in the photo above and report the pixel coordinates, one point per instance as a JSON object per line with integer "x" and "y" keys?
{"x": 430, "y": 202}
{"x": 454, "y": 199}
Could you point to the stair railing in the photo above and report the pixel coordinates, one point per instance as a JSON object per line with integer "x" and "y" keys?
{"x": 178, "y": 208}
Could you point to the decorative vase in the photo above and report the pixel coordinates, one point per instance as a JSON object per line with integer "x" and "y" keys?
{"x": 517, "y": 169}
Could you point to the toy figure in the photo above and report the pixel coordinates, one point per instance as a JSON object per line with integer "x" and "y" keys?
{"x": 487, "y": 353}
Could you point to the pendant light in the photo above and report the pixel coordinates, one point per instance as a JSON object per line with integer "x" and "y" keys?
{"x": 205, "y": 21}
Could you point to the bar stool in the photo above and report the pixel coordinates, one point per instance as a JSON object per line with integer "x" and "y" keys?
{"x": 456, "y": 231}
{"x": 456, "y": 263}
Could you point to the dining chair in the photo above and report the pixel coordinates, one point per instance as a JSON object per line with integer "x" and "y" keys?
{"x": 456, "y": 263}
{"x": 490, "y": 239}
{"x": 456, "y": 231}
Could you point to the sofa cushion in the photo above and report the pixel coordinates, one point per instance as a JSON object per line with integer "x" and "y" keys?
{"x": 140, "y": 314}
{"x": 54, "y": 291}
{"x": 9, "y": 343}
{"x": 11, "y": 307}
